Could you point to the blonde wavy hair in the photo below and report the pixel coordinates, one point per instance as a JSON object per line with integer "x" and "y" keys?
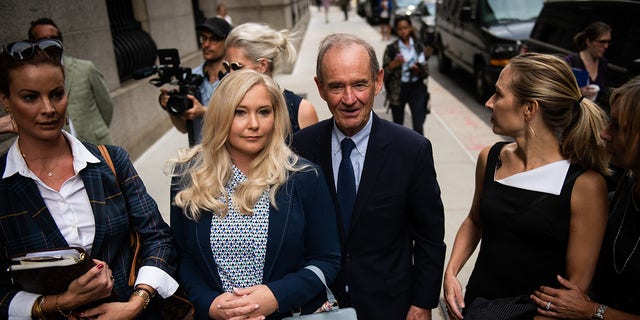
{"x": 205, "y": 169}
{"x": 577, "y": 121}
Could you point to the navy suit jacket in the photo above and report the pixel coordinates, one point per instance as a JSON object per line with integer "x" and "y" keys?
{"x": 302, "y": 231}
{"x": 26, "y": 224}
{"x": 393, "y": 255}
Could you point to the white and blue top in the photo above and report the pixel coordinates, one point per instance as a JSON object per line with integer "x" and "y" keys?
{"x": 239, "y": 241}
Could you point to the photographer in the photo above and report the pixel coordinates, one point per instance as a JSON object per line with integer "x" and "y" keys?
{"x": 211, "y": 34}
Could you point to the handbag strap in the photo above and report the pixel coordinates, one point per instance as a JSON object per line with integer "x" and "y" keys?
{"x": 107, "y": 158}
{"x": 134, "y": 237}
{"x": 330, "y": 297}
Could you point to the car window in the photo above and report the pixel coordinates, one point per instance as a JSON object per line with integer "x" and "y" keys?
{"x": 504, "y": 11}
{"x": 406, "y": 3}
{"x": 431, "y": 8}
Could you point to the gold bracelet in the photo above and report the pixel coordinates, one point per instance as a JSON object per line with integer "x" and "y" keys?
{"x": 66, "y": 315}
{"x": 146, "y": 290}
{"x": 144, "y": 295}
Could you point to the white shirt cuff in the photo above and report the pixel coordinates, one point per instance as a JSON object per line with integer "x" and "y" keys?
{"x": 158, "y": 279}
{"x": 21, "y": 305}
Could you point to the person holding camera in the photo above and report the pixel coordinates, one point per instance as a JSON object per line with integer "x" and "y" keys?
{"x": 405, "y": 72}
{"x": 211, "y": 34}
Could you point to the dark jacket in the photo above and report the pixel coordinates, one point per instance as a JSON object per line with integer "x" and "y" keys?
{"x": 302, "y": 231}
{"x": 394, "y": 254}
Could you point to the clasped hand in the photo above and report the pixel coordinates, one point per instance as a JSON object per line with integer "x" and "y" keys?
{"x": 253, "y": 303}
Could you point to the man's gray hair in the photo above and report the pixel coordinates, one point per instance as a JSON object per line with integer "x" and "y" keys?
{"x": 345, "y": 40}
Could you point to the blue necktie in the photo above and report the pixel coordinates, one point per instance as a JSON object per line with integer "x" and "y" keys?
{"x": 346, "y": 183}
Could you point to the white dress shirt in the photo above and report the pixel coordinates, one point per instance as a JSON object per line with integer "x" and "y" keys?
{"x": 71, "y": 210}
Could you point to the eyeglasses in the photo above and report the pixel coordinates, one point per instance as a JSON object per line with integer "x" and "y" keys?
{"x": 232, "y": 66}
{"x": 213, "y": 38}
{"x": 603, "y": 42}
{"x": 23, "y": 50}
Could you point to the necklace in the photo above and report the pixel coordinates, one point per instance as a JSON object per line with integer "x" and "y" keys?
{"x": 615, "y": 240}
{"x": 50, "y": 172}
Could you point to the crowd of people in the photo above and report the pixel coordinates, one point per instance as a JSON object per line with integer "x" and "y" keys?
{"x": 266, "y": 191}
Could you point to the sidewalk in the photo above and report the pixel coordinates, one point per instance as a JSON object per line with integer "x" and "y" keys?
{"x": 457, "y": 133}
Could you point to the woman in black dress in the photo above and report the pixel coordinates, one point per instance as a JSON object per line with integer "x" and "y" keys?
{"x": 540, "y": 202}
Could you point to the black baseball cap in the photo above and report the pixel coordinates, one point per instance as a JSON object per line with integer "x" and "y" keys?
{"x": 219, "y": 27}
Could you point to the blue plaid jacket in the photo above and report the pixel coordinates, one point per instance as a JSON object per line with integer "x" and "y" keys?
{"x": 26, "y": 224}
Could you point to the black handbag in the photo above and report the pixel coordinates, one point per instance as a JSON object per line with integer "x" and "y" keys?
{"x": 511, "y": 308}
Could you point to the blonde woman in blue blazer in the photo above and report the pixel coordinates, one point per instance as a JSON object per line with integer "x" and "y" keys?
{"x": 248, "y": 214}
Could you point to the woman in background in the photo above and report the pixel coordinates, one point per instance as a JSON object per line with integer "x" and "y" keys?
{"x": 261, "y": 48}
{"x": 248, "y": 214}
{"x": 540, "y": 203}
{"x": 405, "y": 72}
{"x": 592, "y": 43}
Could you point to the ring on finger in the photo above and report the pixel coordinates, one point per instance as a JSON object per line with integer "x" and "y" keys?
{"x": 548, "y": 306}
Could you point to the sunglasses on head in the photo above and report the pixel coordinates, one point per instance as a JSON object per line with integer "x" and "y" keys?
{"x": 23, "y": 50}
{"x": 232, "y": 66}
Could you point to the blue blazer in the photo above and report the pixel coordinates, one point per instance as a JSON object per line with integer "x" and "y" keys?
{"x": 393, "y": 255}
{"x": 26, "y": 224}
{"x": 302, "y": 231}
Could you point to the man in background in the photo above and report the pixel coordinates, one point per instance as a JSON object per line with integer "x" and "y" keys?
{"x": 90, "y": 108}
{"x": 211, "y": 34}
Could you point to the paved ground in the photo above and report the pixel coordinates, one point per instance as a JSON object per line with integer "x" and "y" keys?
{"x": 458, "y": 132}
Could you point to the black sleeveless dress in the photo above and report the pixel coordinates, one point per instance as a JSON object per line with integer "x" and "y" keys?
{"x": 293, "y": 105}
{"x": 525, "y": 236}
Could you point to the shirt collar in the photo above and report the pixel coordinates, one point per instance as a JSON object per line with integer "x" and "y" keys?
{"x": 361, "y": 138}
{"x": 403, "y": 46}
{"x": 16, "y": 164}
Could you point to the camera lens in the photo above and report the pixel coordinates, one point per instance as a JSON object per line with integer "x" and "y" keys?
{"x": 179, "y": 103}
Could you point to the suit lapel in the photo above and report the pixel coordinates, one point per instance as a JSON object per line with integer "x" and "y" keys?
{"x": 93, "y": 184}
{"x": 277, "y": 228}
{"x": 23, "y": 191}
{"x": 69, "y": 76}
{"x": 202, "y": 231}
{"x": 324, "y": 160}
{"x": 373, "y": 163}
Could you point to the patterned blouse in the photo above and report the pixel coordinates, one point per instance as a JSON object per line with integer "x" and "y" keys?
{"x": 238, "y": 241}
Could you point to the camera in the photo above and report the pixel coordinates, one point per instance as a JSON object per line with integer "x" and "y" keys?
{"x": 170, "y": 71}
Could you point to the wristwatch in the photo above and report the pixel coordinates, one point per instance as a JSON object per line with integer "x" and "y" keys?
{"x": 144, "y": 295}
{"x": 599, "y": 314}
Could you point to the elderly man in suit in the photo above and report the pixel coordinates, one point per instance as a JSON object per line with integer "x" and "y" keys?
{"x": 390, "y": 214}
